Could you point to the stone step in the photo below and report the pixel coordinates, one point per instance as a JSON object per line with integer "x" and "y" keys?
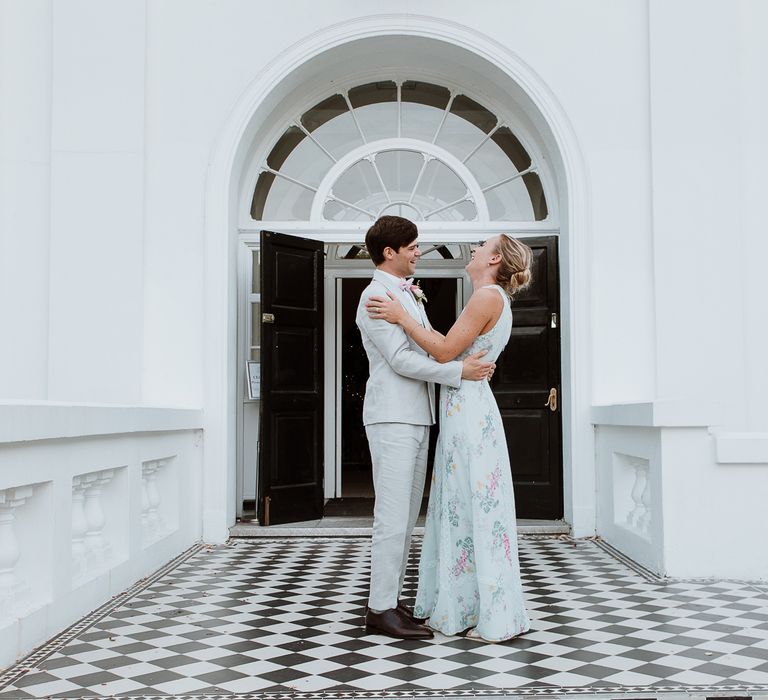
{"x": 362, "y": 527}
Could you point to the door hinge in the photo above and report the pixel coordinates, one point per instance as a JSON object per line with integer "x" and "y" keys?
{"x": 267, "y": 318}
{"x": 267, "y": 499}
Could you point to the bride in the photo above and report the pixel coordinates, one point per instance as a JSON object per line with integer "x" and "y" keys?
{"x": 469, "y": 574}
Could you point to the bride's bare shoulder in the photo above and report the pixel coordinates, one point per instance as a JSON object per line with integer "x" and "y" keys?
{"x": 487, "y": 297}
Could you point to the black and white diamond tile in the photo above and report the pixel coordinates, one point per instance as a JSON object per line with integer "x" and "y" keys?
{"x": 285, "y": 616}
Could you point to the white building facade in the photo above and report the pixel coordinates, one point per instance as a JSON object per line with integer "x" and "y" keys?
{"x": 135, "y": 138}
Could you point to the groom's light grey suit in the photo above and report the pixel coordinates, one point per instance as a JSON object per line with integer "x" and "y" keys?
{"x": 398, "y": 410}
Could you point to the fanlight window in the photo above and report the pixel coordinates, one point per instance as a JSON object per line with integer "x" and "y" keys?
{"x": 440, "y": 252}
{"x": 412, "y": 148}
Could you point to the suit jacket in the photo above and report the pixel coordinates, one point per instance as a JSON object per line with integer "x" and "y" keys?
{"x": 400, "y": 388}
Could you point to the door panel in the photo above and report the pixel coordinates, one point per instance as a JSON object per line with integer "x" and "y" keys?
{"x": 295, "y": 368}
{"x": 526, "y": 371}
{"x": 291, "y": 454}
{"x": 295, "y": 465}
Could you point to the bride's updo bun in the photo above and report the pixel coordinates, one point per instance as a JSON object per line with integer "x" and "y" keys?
{"x": 514, "y": 271}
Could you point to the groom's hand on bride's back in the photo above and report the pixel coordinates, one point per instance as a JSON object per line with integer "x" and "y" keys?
{"x": 475, "y": 368}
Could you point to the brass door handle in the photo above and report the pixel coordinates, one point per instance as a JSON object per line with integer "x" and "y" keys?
{"x": 552, "y": 400}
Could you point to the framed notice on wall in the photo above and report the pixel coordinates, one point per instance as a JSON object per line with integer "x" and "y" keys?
{"x": 254, "y": 379}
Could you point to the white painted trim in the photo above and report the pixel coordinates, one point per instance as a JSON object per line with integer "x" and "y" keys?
{"x": 362, "y": 152}
{"x": 332, "y": 396}
{"x": 227, "y": 164}
{"x": 244, "y": 253}
{"x": 657, "y": 414}
{"x": 358, "y": 269}
{"x": 450, "y": 232}
{"x": 741, "y": 448}
{"x": 53, "y": 421}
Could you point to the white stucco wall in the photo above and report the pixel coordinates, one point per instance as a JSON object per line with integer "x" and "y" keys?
{"x": 202, "y": 59}
{"x": 127, "y": 116}
{"x": 111, "y": 117}
{"x": 25, "y": 158}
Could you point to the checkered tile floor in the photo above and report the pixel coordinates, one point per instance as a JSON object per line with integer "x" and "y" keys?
{"x": 285, "y": 615}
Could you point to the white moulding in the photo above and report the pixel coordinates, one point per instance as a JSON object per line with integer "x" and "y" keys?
{"x": 741, "y": 448}
{"x": 663, "y": 413}
{"x": 46, "y": 420}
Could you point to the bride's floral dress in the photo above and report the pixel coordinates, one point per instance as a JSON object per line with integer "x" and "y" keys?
{"x": 469, "y": 574}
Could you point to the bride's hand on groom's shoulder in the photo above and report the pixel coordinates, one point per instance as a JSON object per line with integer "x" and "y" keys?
{"x": 386, "y": 309}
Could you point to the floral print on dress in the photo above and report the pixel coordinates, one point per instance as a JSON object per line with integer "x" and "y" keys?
{"x": 464, "y": 560}
{"x": 486, "y": 490}
{"x": 469, "y": 574}
{"x": 453, "y": 400}
{"x": 489, "y": 430}
{"x": 501, "y": 540}
{"x": 453, "y": 511}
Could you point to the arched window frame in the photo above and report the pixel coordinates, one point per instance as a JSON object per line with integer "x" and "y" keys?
{"x": 372, "y": 149}
{"x": 292, "y": 115}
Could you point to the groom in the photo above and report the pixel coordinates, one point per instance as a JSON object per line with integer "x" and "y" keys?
{"x": 398, "y": 410}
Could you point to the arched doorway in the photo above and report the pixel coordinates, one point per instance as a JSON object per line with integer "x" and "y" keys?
{"x": 434, "y": 154}
{"x": 421, "y": 55}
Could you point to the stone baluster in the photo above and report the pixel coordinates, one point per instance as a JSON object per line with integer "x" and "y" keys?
{"x": 144, "y": 502}
{"x": 79, "y": 529}
{"x": 153, "y": 516}
{"x": 644, "y": 524}
{"x": 639, "y": 513}
{"x": 97, "y": 545}
{"x": 11, "y": 587}
{"x": 152, "y": 520}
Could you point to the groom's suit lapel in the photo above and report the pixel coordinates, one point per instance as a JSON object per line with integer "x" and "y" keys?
{"x": 424, "y": 317}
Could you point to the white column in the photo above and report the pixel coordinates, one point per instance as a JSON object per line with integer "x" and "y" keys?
{"x": 700, "y": 259}
{"x": 753, "y": 78}
{"x": 97, "y": 201}
{"x": 25, "y": 202}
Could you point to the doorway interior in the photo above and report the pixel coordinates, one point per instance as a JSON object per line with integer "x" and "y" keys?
{"x": 354, "y": 494}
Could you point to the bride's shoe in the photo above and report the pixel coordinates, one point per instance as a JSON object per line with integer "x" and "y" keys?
{"x": 472, "y": 633}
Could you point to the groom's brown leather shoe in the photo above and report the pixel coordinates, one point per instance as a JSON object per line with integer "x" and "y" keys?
{"x": 393, "y": 623}
{"x": 407, "y": 610}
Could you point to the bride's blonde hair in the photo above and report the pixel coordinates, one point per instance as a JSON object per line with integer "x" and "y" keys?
{"x": 514, "y": 271}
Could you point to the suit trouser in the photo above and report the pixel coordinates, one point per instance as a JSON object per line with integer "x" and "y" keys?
{"x": 399, "y": 456}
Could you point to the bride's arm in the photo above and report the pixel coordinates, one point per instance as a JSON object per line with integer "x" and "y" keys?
{"x": 482, "y": 307}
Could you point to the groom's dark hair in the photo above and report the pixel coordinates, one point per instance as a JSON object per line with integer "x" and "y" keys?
{"x": 389, "y": 232}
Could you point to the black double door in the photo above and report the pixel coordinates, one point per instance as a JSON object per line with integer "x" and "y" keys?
{"x": 526, "y": 385}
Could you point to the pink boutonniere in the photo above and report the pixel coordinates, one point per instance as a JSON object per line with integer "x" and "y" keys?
{"x": 413, "y": 288}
